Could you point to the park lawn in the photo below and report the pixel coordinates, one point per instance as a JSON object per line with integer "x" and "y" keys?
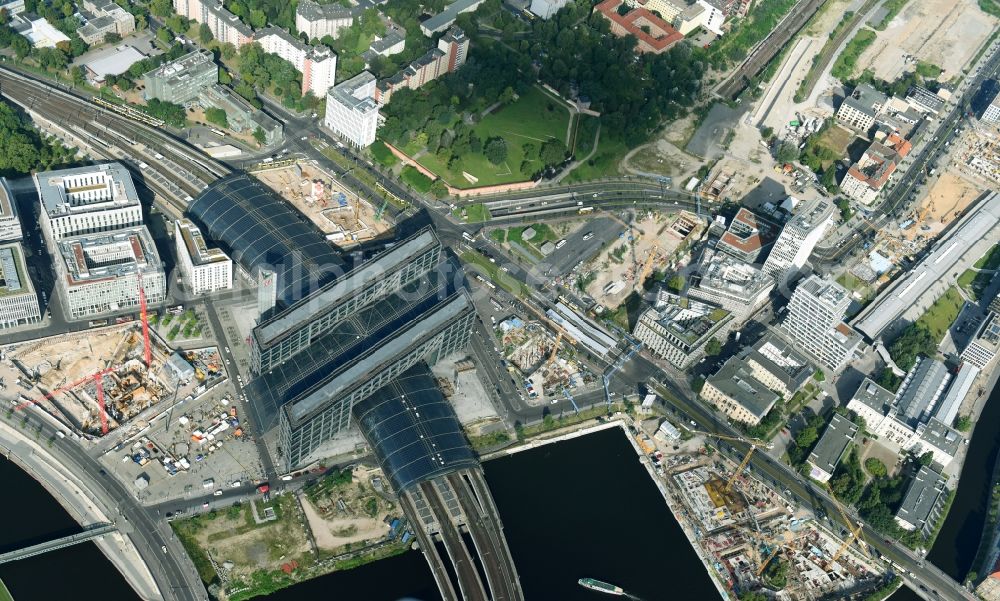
{"x": 474, "y": 213}
{"x": 939, "y": 317}
{"x": 604, "y": 163}
{"x": 534, "y": 118}
{"x": 837, "y": 139}
{"x": 492, "y": 272}
{"x": 586, "y": 130}
{"x": 975, "y": 282}
{"x": 991, "y": 260}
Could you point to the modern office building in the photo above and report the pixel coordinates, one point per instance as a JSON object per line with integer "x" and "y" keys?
{"x": 85, "y": 200}
{"x": 18, "y": 299}
{"x": 320, "y": 20}
{"x": 203, "y": 270}
{"x": 182, "y": 80}
{"x": 740, "y": 395}
{"x": 832, "y": 446}
{"x": 860, "y": 109}
{"x": 10, "y": 223}
{"x": 923, "y": 502}
{"x": 280, "y": 338}
{"x": 737, "y": 287}
{"x": 797, "y": 240}
{"x": 448, "y": 57}
{"x": 746, "y": 237}
{"x": 318, "y": 64}
{"x": 815, "y": 322}
{"x": 351, "y": 109}
{"x": 677, "y": 329}
{"x": 991, "y": 114}
{"x": 982, "y": 348}
{"x": 100, "y": 273}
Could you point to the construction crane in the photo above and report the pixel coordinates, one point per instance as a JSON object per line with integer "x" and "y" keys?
{"x": 854, "y": 529}
{"x": 147, "y": 350}
{"x": 763, "y": 564}
{"x": 555, "y": 348}
{"x": 647, "y": 266}
{"x": 754, "y": 444}
{"x": 97, "y": 377}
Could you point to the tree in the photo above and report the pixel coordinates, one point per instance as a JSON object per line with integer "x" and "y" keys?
{"x": 926, "y": 459}
{"x": 161, "y": 8}
{"x": 205, "y": 33}
{"x": 258, "y": 19}
{"x": 915, "y": 340}
{"x": 20, "y": 46}
{"x": 163, "y": 34}
{"x": 875, "y": 467}
{"x": 495, "y": 150}
{"x": 806, "y": 437}
{"x": 819, "y": 376}
{"x": 713, "y": 347}
{"x": 224, "y": 77}
{"x": 553, "y": 152}
{"x": 787, "y": 152}
{"x": 676, "y": 282}
{"x": 112, "y": 38}
{"x": 228, "y": 50}
{"x": 766, "y": 132}
{"x": 259, "y": 135}
{"x": 79, "y": 75}
{"x": 217, "y": 116}
{"x": 963, "y": 423}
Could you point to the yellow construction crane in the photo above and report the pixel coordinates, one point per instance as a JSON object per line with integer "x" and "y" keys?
{"x": 555, "y": 348}
{"x": 647, "y": 266}
{"x": 763, "y": 564}
{"x": 754, "y": 444}
{"x": 855, "y": 531}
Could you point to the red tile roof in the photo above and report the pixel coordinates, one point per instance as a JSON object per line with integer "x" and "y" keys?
{"x": 661, "y": 34}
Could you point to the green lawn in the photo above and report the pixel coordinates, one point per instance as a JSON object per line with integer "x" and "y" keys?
{"x": 604, "y": 163}
{"x": 586, "y": 129}
{"x": 4, "y": 593}
{"x": 491, "y": 272}
{"x": 382, "y": 154}
{"x": 534, "y": 118}
{"x": 991, "y": 260}
{"x": 474, "y": 213}
{"x": 942, "y": 313}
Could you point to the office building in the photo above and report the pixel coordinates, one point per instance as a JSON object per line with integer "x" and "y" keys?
{"x": 746, "y": 237}
{"x": 318, "y": 64}
{"x": 351, "y": 110}
{"x": 180, "y": 81}
{"x": 448, "y": 57}
{"x": 797, "y": 240}
{"x": 320, "y": 20}
{"x": 735, "y": 391}
{"x": 923, "y": 502}
{"x": 815, "y": 322}
{"x": 337, "y": 347}
{"x": 85, "y": 200}
{"x": 443, "y": 20}
{"x": 203, "y": 270}
{"x": 860, "y": 109}
{"x": 10, "y": 223}
{"x": 241, "y": 116}
{"x": 982, "y": 348}
{"x": 991, "y": 114}
{"x": 652, "y": 34}
{"x": 104, "y": 17}
{"x": 100, "y": 273}
{"x": 18, "y": 299}
{"x": 924, "y": 100}
{"x": 737, "y": 287}
{"x": 677, "y": 329}
{"x": 866, "y": 178}
{"x": 832, "y": 446}
{"x": 778, "y": 366}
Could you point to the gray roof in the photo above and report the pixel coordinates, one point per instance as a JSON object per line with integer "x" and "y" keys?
{"x": 52, "y": 192}
{"x": 445, "y": 18}
{"x": 14, "y": 279}
{"x": 923, "y": 386}
{"x": 8, "y": 208}
{"x": 924, "y": 98}
{"x": 782, "y": 361}
{"x": 314, "y": 11}
{"x": 393, "y": 35}
{"x": 938, "y": 434}
{"x": 947, "y": 409}
{"x": 93, "y": 257}
{"x": 346, "y": 93}
{"x": 920, "y": 505}
{"x": 935, "y": 266}
{"x": 736, "y": 381}
{"x": 179, "y": 67}
{"x": 864, "y": 97}
{"x": 833, "y": 444}
{"x": 874, "y": 396}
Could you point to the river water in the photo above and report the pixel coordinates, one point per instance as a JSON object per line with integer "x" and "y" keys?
{"x": 579, "y": 508}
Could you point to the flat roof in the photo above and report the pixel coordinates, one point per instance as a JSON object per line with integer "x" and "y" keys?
{"x": 833, "y": 444}
{"x": 326, "y": 298}
{"x": 13, "y": 274}
{"x": 922, "y": 497}
{"x": 113, "y": 254}
{"x": 586, "y": 332}
{"x": 735, "y": 380}
{"x": 66, "y": 191}
{"x": 444, "y": 18}
{"x": 348, "y": 93}
{"x": 947, "y": 409}
{"x": 942, "y": 436}
{"x": 197, "y": 249}
{"x": 874, "y": 396}
{"x": 8, "y": 208}
{"x": 782, "y": 361}
{"x": 938, "y": 264}
{"x": 115, "y": 63}
{"x": 923, "y": 385}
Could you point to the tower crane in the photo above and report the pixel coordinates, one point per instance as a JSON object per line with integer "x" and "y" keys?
{"x": 147, "y": 351}
{"x": 754, "y": 445}
{"x": 855, "y": 530}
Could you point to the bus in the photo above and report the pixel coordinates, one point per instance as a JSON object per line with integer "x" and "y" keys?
{"x": 218, "y": 132}
{"x": 496, "y": 304}
{"x": 176, "y": 310}
{"x": 585, "y": 210}
{"x": 467, "y": 236}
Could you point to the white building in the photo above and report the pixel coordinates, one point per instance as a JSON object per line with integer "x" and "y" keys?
{"x": 18, "y": 299}
{"x": 815, "y": 322}
{"x": 10, "y": 224}
{"x": 737, "y": 287}
{"x": 40, "y": 33}
{"x": 351, "y": 110}
{"x": 677, "y": 329}
{"x": 318, "y": 64}
{"x": 224, "y": 25}
{"x": 100, "y": 273}
{"x": 320, "y": 20}
{"x": 860, "y": 109}
{"x": 84, "y": 200}
{"x": 204, "y": 270}
{"x": 983, "y": 347}
{"x": 797, "y": 240}
{"x": 992, "y": 112}
{"x": 832, "y": 446}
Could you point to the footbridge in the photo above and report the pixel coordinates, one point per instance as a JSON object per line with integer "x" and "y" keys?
{"x": 92, "y": 532}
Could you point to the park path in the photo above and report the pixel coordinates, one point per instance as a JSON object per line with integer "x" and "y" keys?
{"x": 578, "y": 162}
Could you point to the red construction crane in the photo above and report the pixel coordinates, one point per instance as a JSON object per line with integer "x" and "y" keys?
{"x": 100, "y": 402}
{"x": 147, "y": 350}
{"x": 98, "y": 380}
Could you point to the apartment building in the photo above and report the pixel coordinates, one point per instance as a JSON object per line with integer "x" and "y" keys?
{"x": 797, "y": 240}
{"x": 101, "y": 273}
{"x": 815, "y": 322}
{"x": 320, "y": 20}
{"x": 85, "y": 200}
{"x": 351, "y": 109}
{"x": 444, "y": 19}
{"x": 677, "y": 329}
{"x": 224, "y": 25}
{"x": 860, "y": 109}
{"x": 10, "y": 223}
{"x": 318, "y": 64}
{"x": 104, "y": 17}
{"x": 777, "y": 365}
{"x": 203, "y": 270}
{"x": 652, "y": 33}
{"x": 182, "y": 80}
{"x": 18, "y": 299}
{"x": 449, "y": 56}
{"x": 866, "y": 178}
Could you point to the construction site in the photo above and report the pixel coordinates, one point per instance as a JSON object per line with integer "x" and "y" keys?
{"x": 532, "y": 352}
{"x": 754, "y": 537}
{"x": 651, "y": 241}
{"x": 93, "y": 381}
{"x": 335, "y": 209}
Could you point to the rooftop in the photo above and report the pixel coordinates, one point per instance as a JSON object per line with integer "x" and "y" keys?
{"x": 729, "y": 275}
{"x": 735, "y": 380}
{"x": 922, "y": 497}
{"x": 782, "y": 361}
{"x": 864, "y": 98}
{"x": 178, "y": 69}
{"x": 8, "y": 208}
{"x": 833, "y": 444}
{"x": 355, "y": 94}
{"x": 809, "y": 218}
{"x": 13, "y": 275}
{"x": 197, "y": 248}
{"x": 687, "y": 318}
{"x": 444, "y": 18}
{"x": 921, "y": 389}
{"x": 84, "y": 189}
{"x": 313, "y": 11}
{"x": 94, "y": 257}
{"x": 924, "y": 98}
{"x": 661, "y": 35}
{"x": 938, "y": 434}
{"x": 746, "y": 234}
{"x": 115, "y": 62}
{"x": 874, "y": 396}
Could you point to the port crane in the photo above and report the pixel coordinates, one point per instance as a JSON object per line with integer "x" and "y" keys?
{"x": 754, "y": 445}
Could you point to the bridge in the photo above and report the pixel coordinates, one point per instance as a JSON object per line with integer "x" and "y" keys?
{"x": 92, "y": 532}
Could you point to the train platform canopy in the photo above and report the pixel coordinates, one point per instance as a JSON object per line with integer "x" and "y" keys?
{"x": 263, "y": 232}
{"x": 414, "y": 430}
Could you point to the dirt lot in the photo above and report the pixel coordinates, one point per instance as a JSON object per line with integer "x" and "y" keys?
{"x": 342, "y": 512}
{"x": 614, "y": 268}
{"x": 334, "y": 208}
{"x": 947, "y": 33}
{"x": 949, "y": 194}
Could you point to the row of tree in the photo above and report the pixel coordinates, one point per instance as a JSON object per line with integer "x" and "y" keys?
{"x": 23, "y": 149}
